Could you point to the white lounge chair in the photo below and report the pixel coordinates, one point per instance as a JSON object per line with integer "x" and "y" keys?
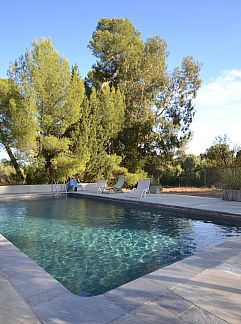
{"x": 143, "y": 188}
{"x": 101, "y": 184}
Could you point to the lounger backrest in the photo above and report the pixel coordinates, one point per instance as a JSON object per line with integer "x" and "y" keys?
{"x": 120, "y": 182}
{"x": 143, "y": 184}
{"x": 101, "y": 183}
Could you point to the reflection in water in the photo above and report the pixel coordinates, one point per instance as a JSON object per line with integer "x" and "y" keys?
{"x": 92, "y": 246}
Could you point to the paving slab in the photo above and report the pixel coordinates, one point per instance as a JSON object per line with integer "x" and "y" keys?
{"x": 216, "y": 291}
{"x": 212, "y": 257}
{"x": 201, "y": 203}
{"x": 173, "y": 275}
{"x": 235, "y": 260}
{"x": 73, "y": 309}
{"x": 26, "y": 276}
{"x": 228, "y": 267}
{"x": 232, "y": 208}
{"x": 186, "y": 311}
{"x": 149, "y": 313}
{"x": 135, "y": 293}
{"x": 2, "y": 277}
{"x": 46, "y": 295}
{"x": 197, "y": 315}
{"x": 13, "y": 310}
{"x": 174, "y": 303}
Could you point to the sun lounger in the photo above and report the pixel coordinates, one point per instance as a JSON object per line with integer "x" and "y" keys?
{"x": 143, "y": 188}
{"x": 117, "y": 187}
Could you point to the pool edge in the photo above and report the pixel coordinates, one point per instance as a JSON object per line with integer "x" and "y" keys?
{"x": 48, "y": 298}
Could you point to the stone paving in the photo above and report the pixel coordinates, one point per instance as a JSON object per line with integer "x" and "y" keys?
{"x": 215, "y": 205}
{"x": 13, "y": 308}
{"x": 204, "y": 288}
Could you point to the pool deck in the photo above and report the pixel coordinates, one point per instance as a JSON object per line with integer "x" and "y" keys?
{"x": 192, "y": 203}
{"x": 204, "y": 288}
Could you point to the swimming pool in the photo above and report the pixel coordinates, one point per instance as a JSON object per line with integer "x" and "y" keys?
{"x": 92, "y": 246}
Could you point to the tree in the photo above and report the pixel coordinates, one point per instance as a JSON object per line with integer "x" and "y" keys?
{"x": 220, "y": 155}
{"x": 159, "y": 106}
{"x": 45, "y": 77}
{"x": 175, "y": 107}
{"x": 223, "y": 162}
{"x": 7, "y": 173}
{"x": 106, "y": 113}
{"x": 124, "y": 60}
{"x": 17, "y": 124}
{"x": 191, "y": 165}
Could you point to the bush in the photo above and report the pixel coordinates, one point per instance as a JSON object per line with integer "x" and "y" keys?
{"x": 110, "y": 169}
{"x": 36, "y": 175}
{"x": 7, "y": 174}
{"x": 132, "y": 178}
{"x": 232, "y": 179}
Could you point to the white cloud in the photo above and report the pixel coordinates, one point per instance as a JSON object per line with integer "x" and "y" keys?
{"x": 218, "y": 106}
{"x": 222, "y": 93}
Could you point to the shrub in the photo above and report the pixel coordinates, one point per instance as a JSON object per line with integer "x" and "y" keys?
{"x": 232, "y": 179}
{"x": 7, "y": 174}
{"x": 36, "y": 175}
{"x": 132, "y": 178}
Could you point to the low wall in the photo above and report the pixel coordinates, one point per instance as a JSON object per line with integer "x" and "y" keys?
{"x": 49, "y": 188}
{"x": 229, "y": 194}
{"x": 26, "y": 189}
{"x": 92, "y": 187}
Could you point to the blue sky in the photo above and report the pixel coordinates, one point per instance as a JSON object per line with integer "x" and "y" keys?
{"x": 208, "y": 30}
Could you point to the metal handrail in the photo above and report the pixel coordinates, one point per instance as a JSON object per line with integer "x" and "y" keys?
{"x": 63, "y": 187}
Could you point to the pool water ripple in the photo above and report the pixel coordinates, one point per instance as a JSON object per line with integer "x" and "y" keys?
{"x": 92, "y": 246}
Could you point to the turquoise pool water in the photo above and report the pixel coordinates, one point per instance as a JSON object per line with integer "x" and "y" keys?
{"x": 93, "y": 246}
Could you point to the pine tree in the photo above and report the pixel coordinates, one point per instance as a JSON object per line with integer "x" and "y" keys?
{"x": 106, "y": 109}
{"x": 17, "y": 124}
{"x": 159, "y": 105}
{"x": 58, "y": 96}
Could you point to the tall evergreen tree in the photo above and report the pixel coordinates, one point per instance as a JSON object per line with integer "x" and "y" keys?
{"x": 159, "y": 106}
{"x": 17, "y": 124}
{"x": 106, "y": 114}
{"x": 58, "y": 95}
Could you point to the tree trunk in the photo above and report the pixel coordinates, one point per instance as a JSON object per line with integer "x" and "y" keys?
{"x": 20, "y": 176}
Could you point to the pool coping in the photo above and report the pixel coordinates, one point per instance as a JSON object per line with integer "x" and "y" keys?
{"x": 203, "y": 213}
{"x": 51, "y": 302}
{"x": 119, "y": 198}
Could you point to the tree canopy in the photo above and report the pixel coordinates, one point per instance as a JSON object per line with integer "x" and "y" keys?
{"x": 44, "y": 79}
{"x": 17, "y": 124}
{"x": 130, "y": 115}
{"x": 159, "y": 105}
